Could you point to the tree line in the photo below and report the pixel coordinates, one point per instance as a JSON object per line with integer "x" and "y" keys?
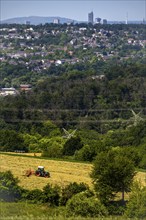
{"x": 100, "y": 109}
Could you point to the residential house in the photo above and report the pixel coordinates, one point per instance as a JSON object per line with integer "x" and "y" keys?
{"x": 8, "y": 91}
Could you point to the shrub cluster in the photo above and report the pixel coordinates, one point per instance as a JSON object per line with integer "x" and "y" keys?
{"x": 49, "y": 195}
{"x": 9, "y": 189}
{"x": 77, "y": 199}
{"x": 85, "y": 205}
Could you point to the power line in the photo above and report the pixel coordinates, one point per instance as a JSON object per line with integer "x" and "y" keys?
{"x": 71, "y": 110}
{"x": 72, "y": 121}
{"x": 84, "y": 118}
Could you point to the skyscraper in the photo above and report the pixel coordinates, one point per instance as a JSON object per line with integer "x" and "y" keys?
{"x": 104, "y": 21}
{"x": 27, "y": 22}
{"x": 56, "y": 21}
{"x": 97, "y": 20}
{"x": 126, "y": 22}
{"x": 90, "y": 17}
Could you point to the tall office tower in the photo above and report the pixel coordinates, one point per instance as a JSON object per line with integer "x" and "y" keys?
{"x": 126, "y": 22}
{"x": 56, "y": 21}
{"x": 90, "y": 17}
{"x": 97, "y": 20}
{"x": 27, "y": 22}
{"x": 104, "y": 21}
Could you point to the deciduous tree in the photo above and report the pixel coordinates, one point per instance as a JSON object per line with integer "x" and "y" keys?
{"x": 112, "y": 173}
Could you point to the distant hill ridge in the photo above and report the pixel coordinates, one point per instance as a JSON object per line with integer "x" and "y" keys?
{"x": 35, "y": 20}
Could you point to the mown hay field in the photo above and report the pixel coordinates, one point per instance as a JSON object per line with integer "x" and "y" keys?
{"x": 62, "y": 172}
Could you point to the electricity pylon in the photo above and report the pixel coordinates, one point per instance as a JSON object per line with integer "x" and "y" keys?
{"x": 67, "y": 134}
{"x": 136, "y": 117}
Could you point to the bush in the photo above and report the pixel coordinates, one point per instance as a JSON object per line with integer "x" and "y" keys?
{"x": 11, "y": 140}
{"x": 71, "y": 145}
{"x": 82, "y": 205}
{"x": 86, "y": 153}
{"x": 136, "y": 207}
{"x": 9, "y": 189}
{"x": 70, "y": 190}
{"x": 52, "y": 147}
{"x": 32, "y": 142}
{"x": 53, "y": 151}
{"x": 52, "y": 195}
{"x": 143, "y": 162}
{"x": 35, "y": 196}
{"x": 142, "y": 151}
{"x": 49, "y": 194}
{"x": 116, "y": 207}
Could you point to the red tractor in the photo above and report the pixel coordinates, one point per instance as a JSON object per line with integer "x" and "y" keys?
{"x": 41, "y": 172}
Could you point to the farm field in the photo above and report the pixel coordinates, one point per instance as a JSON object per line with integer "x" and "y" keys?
{"x": 62, "y": 172}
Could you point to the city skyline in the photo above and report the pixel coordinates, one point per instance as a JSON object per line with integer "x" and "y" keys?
{"x": 113, "y": 10}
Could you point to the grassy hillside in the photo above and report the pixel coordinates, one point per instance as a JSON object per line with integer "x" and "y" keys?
{"x": 62, "y": 172}
{"x": 26, "y": 211}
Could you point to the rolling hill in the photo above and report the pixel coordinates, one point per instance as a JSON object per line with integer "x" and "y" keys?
{"x": 36, "y": 20}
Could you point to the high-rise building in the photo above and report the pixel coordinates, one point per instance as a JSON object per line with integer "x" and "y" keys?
{"x": 90, "y": 17}
{"x": 56, "y": 21}
{"x": 126, "y": 22}
{"x": 104, "y": 21}
{"x": 97, "y": 20}
{"x": 27, "y": 22}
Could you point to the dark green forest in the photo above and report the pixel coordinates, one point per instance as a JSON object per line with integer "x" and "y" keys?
{"x": 108, "y": 112}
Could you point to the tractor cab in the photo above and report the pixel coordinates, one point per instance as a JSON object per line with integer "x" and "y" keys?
{"x": 40, "y": 168}
{"x": 41, "y": 172}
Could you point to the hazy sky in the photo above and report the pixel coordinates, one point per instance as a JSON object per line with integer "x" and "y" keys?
{"x": 76, "y": 9}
